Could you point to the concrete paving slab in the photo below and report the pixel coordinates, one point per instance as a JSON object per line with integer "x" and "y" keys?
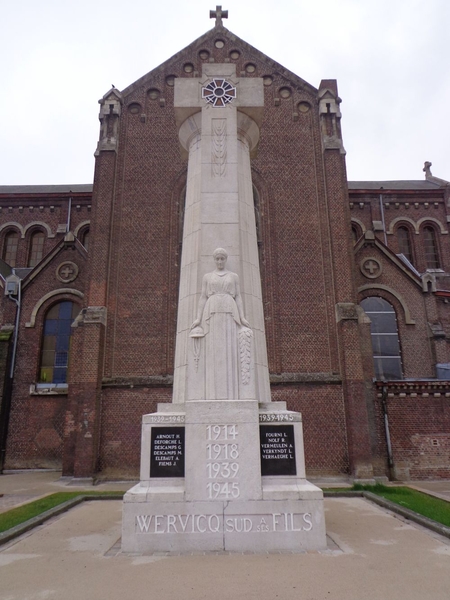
{"x": 440, "y": 489}
{"x": 372, "y": 556}
{"x": 21, "y": 487}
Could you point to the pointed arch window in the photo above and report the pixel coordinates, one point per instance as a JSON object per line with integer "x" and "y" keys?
{"x": 430, "y": 247}
{"x": 385, "y": 340}
{"x": 10, "y": 247}
{"x": 56, "y": 344}
{"x": 404, "y": 242}
{"x": 36, "y": 248}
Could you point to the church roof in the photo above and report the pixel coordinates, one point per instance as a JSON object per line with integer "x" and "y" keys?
{"x": 406, "y": 184}
{"x": 86, "y": 188}
{"x": 46, "y": 189}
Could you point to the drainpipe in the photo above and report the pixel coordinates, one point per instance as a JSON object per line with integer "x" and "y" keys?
{"x": 18, "y": 301}
{"x": 384, "y": 395}
{"x": 69, "y": 210}
{"x": 13, "y": 286}
{"x": 382, "y": 219}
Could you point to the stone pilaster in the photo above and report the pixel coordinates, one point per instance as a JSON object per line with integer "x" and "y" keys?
{"x": 351, "y": 364}
{"x": 82, "y": 415}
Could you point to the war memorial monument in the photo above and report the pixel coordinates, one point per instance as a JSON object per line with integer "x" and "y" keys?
{"x": 222, "y": 466}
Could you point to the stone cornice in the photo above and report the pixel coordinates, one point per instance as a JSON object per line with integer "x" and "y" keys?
{"x": 429, "y": 387}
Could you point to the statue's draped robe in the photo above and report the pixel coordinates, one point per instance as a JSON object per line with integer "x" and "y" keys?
{"x": 221, "y": 322}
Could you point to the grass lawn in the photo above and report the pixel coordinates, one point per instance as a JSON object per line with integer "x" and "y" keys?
{"x": 19, "y": 515}
{"x": 428, "y": 506}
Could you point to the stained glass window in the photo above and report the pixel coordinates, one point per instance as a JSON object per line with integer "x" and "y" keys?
{"x": 430, "y": 248}
{"x": 36, "y": 248}
{"x": 56, "y": 343}
{"x": 404, "y": 243}
{"x": 385, "y": 341}
{"x": 10, "y": 248}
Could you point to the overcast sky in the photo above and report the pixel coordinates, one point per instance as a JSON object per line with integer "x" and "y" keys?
{"x": 390, "y": 57}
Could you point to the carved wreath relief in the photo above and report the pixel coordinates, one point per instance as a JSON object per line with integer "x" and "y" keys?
{"x": 219, "y": 147}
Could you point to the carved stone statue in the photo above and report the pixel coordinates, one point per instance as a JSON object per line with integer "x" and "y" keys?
{"x": 228, "y": 337}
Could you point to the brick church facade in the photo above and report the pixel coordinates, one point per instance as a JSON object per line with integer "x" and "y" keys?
{"x": 355, "y": 280}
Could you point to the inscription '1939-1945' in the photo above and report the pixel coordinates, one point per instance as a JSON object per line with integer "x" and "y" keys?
{"x": 273, "y": 522}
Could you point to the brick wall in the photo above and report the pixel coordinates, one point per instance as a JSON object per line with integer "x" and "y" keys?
{"x": 419, "y": 423}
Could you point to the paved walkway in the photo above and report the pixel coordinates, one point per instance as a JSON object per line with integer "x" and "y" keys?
{"x": 372, "y": 556}
{"x": 21, "y": 487}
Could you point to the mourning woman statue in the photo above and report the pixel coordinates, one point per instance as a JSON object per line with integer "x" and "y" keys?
{"x": 227, "y": 334}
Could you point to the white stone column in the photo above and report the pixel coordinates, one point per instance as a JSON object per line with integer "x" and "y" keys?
{"x": 219, "y": 213}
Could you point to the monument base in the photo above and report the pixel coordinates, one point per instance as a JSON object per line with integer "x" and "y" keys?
{"x": 224, "y": 476}
{"x": 236, "y": 526}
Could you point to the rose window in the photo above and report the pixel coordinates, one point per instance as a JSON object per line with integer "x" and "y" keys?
{"x": 219, "y": 92}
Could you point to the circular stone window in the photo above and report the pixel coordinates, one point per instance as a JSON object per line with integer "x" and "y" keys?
{"x": 170, "y": 80}
{"x": 219, "y": 43}
{"x": 204, "y": 54}
{"x": 153, "y": 94}
{"x": 134, "y": 108}
{"x": 235, "y": 54}
{"x": 188, "y": 68}
{"x": 285, "y": 92}
{"x": 250, "y": 68}
{"x": 304, "y": 107}
{"x": 268, "y": 80}
{"x": 219, "y": 92}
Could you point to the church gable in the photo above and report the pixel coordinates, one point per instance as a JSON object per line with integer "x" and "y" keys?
{"x": 219, "y": 45}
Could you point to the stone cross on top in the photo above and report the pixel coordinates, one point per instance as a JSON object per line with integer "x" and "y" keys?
{"x": 218, "y": 14}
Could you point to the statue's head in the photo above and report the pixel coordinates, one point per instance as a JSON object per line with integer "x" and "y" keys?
{"x": 221, "y": 251}
{"x": 220, "y": 258}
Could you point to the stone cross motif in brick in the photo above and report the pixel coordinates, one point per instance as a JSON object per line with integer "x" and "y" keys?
{"x": 218, "y": 15}
{"x": 371, "y": 268}
{"x": 67, "y": 271}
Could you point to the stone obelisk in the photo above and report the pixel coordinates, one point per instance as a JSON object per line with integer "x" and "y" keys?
{"x": 222, "y": 467}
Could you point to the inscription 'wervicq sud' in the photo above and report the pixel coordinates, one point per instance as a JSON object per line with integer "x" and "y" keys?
{"x": 286, "y": 522}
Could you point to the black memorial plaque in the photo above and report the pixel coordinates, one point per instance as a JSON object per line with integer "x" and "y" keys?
{"x": 277, "y": 450}
{"x": 167, "y": 452}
